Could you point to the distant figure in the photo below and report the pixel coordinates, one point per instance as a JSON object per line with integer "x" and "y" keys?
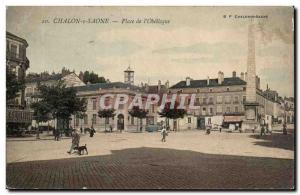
{"x": 81, "y": 130}
{"x": 262, "y": 130}
{"x": 110, "y": 128}
{"x": 208, "y": 129}
{"x": 56, "y": 135}
{"x": 164, "y": 133}
{"x": 284, "y": 129}
{"x": 267, "y": 128}
{"x": 236, "y": 126}
{"x": 92, "y": 131}
{"x": 75, "y": 141}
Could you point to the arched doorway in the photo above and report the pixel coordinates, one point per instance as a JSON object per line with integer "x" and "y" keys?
{"x": 120, "y": 122}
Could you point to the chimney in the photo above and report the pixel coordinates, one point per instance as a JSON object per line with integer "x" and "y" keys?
{"x": 207, "y": 80}
{"x": 146, "y": 87}
{"x": 159, "y": 85}
{"x": 233, "y": 74}
{"x": 167, "y": 84}
{"x": 242, "y": 76}
{"x": 220, "y": 77}
{"x": 257, "y": 82}
{"x": 188, "y": 81}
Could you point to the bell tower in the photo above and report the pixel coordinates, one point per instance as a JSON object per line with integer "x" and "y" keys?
{"x": 129, "y": 76}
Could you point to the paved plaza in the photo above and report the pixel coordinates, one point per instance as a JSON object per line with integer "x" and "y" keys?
{"x": 188, "y": 160}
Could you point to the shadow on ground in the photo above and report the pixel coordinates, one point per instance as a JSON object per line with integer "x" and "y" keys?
{"x": 153, "y": 168}
{"x": 276, "y": 140}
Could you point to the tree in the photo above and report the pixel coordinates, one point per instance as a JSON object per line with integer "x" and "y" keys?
{"x": 106, "y": 113}
{"x": 138, "y": 113}
{"x": 61, "y": 101}
{"x": 41, "y": 113}
{"x": 92, "y": 77}
{"x": 172, "y": 113}
{"x": 13, "y": 86}
{"x": 80, "y": 113}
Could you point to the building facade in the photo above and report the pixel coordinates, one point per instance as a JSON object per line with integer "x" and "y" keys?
{"x": 17, "y": 62}
{"x": 222, "y": 101}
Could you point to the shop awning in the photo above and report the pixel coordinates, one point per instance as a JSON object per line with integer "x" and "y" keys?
{"x": 232, "y": 119}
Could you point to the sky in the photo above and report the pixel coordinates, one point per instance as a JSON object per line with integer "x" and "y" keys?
{"x": 196, "y": 42}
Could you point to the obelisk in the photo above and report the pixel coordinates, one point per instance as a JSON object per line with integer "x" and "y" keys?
{"x": 251, "y": 111}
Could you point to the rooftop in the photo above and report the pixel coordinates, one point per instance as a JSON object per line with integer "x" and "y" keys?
{"x": 15, "y": 37}
{"x": 212, "y": 83}
{"x": 97, "y": 86}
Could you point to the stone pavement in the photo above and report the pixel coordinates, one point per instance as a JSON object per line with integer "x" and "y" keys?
{"x": 188, "y": 160}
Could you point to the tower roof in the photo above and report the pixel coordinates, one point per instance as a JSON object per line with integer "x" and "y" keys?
{"x": 128, "y": 69}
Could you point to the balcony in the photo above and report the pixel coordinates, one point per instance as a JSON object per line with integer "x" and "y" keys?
{"x": 14, "y": 115}
{"x": 15, "y": 57}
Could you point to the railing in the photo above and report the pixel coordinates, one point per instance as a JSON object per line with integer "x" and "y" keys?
{"x": 16, "y": 57}
{"x": 18, "y": 115}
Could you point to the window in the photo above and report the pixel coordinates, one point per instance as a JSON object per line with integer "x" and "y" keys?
{"x": 210, "y": 89}
{"x": 227, "y": 99}
{"x": 228, "y": 109}
{"x": 189, "y": 120}
{"x": 219, "y": 109}
{"x": 94, "y": 103}
{"x": 244, "y": 88}
{"x": 204, "y": 100}
{"x": 236, "y": 109}
{"x": 211, "y": 100}
{"x": 94, "y": 119}
{"x": 227, "y": 89}
{"x": 244, "y": 99}
{"x": 85, "y": 119}
{"x": 204, "y": 109}
{"x": 211, "y": 110}
{"x": 209, "y": 121}
{"x": 219, "y": 99}
{"x": 236, "y": 99}
{"x": 198, "y": 90}
{"x": 13, "y": 49}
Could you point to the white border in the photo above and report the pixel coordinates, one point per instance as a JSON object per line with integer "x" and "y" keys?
{"x": 114, "y": 3}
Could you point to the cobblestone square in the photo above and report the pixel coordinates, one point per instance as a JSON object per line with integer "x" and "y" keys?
{"x": 188, "y": 160}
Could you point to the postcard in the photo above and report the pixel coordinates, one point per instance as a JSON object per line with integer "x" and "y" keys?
{"x": 150, "y": 98}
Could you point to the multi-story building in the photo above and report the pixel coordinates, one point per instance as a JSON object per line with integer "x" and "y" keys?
{"x": 122, "y": 119}
{"x": 17, "y": 62}
{"x": 31, "y": 88}
{"x": 221, "y": 100}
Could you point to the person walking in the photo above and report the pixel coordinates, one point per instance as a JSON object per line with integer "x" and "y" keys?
{"x": 92, "y": 131}
{"x": 56, "y": 134}
{"x": 284, "y": 129}
{"x": 75, "y": 140}
{"x": 262, "y": 130}
{"x": 164, "y": 133}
